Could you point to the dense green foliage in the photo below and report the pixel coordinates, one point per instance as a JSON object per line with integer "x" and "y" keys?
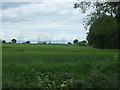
{"x": 75, "y": 41}
{"x": 13, "y": 40}
{"x": 97, "y": 9}
{"x": 103, "y": 33}
{"x": 58, "y": 66}
{"x": 27, "y": 41}
{"x": 69, "y": 43}
{"x": 83, "y": 43}
{"x": 3, "y": 41}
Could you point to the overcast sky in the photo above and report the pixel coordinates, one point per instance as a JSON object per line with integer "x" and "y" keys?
{"x": 51, "y": 21}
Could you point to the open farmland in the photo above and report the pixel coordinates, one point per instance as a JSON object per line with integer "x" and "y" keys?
{"x": 58, "y": 66}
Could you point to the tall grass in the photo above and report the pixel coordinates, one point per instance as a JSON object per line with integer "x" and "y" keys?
{"x": 58, "y": 66}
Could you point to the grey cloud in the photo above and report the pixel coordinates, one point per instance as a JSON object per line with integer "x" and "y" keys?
{"x": 45, "y": 12}
{"x": 7, "y": 5}
{"x": 53, "y": 21}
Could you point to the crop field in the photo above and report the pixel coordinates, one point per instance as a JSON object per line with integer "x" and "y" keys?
{"x": 58, "y": 66}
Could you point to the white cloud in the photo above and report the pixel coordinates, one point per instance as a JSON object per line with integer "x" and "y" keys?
{"x": 52, "y": 20}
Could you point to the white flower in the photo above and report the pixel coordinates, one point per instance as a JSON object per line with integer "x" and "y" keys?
{"x": 63, "y": 85}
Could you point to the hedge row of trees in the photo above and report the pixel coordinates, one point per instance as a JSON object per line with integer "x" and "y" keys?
{"x": 80, "y": 43}
{"x": 14, "y": 41}
{"x": 75, "y": 42}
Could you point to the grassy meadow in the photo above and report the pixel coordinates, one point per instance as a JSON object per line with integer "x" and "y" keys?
{"x": 58, "y": 66}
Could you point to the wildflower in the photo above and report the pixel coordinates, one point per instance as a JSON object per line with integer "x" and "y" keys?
{"x": 63, "y": 85}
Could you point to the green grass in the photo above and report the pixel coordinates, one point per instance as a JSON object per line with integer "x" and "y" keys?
{"x": 58, "y": 66}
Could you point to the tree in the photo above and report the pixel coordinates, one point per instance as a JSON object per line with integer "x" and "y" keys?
{"x": 98, "y": 9}
{"x": 27, "y": 42}
{"x": 75, "y": 41}
{"x": 69, "y": 43}
{"x": 118, "y": 21}
{"x": 44, "y": 42}
{"x": 3, "y": 41}
{"x": 103, "y": 33}
{"x": 83, "y": 43}
{"x": 13, "y": 40}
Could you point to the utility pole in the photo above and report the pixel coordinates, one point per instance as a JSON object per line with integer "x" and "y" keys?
{"x": 39, "y": 39}
{"x": 63, "y": 40}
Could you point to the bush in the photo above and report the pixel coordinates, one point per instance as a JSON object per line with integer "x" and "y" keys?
{"x": 98, "y": 80}
{"x": 69, "y": 43}
{"x": 3, "y": 41}
{"x": 82, "y": 43}
{"x": 28, "y": 42}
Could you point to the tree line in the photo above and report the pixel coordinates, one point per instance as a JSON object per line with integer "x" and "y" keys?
{"x": 75, "y": 42}
{"x": 14, "y": 41}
